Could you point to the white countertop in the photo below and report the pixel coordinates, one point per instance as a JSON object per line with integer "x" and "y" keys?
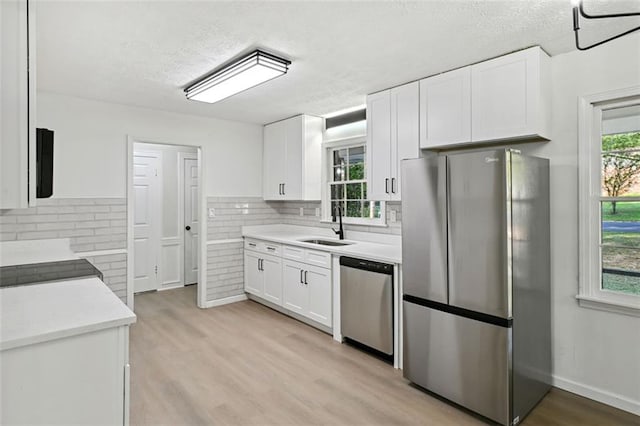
{"x": 41, "y": 312}
{"x": 387, "y": 249}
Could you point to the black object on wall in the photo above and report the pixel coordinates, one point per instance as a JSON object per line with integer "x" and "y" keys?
{"x": 347, "y": 118}
{"x": 44, "y": 163}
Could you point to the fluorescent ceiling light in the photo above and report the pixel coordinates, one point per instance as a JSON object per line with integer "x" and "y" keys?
{"x": 242, "y": 74}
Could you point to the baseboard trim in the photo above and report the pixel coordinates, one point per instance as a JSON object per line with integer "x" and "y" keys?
{"x": 609, "y": 398}
{"x": 225, "y": 301}
{"x": 173, "y": 287}
{"x": 228, "y": 241}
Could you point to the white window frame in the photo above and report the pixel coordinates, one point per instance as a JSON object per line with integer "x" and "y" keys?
{"x": 590, "y": 292}
{"x": 328, "y": 148}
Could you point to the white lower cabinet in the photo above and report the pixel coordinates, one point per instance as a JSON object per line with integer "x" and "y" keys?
{"x": 300, "y": 287}
{"x": 272, "y": 273}
{"x": 307, "y": 291}
{"x": 253, "y": 278}
{"x": 318, "y": 282}
{"x": 296, "y": 295}
{"x": 81, "y": 379}
{"x": 263, "y": 276}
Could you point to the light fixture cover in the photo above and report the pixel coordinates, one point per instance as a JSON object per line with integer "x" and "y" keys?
{"x": 242, "y": 74}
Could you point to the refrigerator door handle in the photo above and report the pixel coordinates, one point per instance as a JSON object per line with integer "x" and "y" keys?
{"x": 442, "y": 197}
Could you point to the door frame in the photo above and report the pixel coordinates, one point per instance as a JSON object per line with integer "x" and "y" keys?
{"x": 202, "y": 264}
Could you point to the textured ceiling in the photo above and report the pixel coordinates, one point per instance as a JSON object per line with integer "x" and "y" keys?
{"x": 145, "y": 53}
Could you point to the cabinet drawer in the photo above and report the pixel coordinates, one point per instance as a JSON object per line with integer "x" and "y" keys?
{"x": 293, "y": 253}
{"x": 311, "y": 257}
{"x": 273, "y": 249}
{"x": 266, "y": 247}
{"x": 318, "y": 258}
{"x": 250, "y": 244}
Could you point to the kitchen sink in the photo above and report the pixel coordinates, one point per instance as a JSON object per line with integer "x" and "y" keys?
{"x": 326, "y": 242}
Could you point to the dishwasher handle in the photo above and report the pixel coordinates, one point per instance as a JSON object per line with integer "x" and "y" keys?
{"x": 366, "y": 265}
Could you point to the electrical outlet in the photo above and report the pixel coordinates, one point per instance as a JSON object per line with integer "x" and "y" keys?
{"x": 301, "y": 211}
{"x": 394, "y": 216}
{"x": 212, "y": 212}
{"x": 317, "y": 211}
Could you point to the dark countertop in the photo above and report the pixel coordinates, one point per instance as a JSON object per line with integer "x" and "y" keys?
{"x": 37, "y": 273}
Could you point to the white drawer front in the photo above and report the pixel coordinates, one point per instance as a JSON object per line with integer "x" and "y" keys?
{"x": 272, "y": 248}
{"x": 250, "y": 244}
{"x": 263, "y": 246}
{"x": 319, "y": 258}
{"x": 293, "y": 253}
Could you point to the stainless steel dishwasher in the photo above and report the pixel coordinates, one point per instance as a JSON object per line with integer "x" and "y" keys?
{"x": 366, "y": 303}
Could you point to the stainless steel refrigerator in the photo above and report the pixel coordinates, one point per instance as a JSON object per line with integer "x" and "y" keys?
{"x": 476, "y": 295}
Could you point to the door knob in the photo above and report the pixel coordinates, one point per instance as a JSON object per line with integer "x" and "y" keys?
{"x": 188, "y": 228}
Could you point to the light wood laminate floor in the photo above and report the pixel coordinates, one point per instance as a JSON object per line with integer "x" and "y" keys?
{"x": 244, "y": 363}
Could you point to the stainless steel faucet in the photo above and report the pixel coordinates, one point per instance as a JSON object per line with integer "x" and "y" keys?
{"x": 340, "y": 231}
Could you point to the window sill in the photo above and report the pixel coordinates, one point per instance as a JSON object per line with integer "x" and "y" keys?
{"x": 344, "y": 222}
{"x": 608, "y": 305}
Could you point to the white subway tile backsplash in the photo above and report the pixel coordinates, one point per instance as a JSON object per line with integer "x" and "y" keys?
{"x": 225, "y": 261}
{"x": 114, "y": 269}
{"x": 73, "y": 218}
{"x": 100, "y": 224}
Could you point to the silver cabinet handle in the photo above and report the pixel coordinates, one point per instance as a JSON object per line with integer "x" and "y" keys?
{"x": 305, "y": 277}
{"x": 301, "y": 281}
{"x": 271, "y": 248}
{"x": 393, "y": 185}
{"x": 283, "y": 192}
{"x": 386, "y": 185}
{"x": 262, "y": 264}
{"x": 252, "y": 244}
{"x": 258, "y": 264}
{"x": 280, "y": 189}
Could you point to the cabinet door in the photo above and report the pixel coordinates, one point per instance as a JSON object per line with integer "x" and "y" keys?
{"x": 253, "y": 277}
{"x": 405, "y": 143}
{"x": 295, "y": 295}
{"x": 272, "y": 274}
{"x": 294, "y": 136}
{"x": 379, "y": 146}
{"x": 274, "y": 160}
{"x": 445, "y": 109}
{"x": 318, "y": 282}
{"x": 17, "y": 105}
{"x": 503, "y": 96}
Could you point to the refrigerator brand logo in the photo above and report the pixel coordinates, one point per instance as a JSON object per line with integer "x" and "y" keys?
{"x": 491, "y": 159}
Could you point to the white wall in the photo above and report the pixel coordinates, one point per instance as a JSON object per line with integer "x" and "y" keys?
{"x": 595, "y": 353}
{"x": 90, "y": 152}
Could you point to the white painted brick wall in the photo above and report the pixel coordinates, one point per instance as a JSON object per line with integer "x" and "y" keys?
{"x": 100, "y": 224}
{"x": 114, "y": 269}
{"x": 225, "y": 262}
{"x": 90, "y": 223}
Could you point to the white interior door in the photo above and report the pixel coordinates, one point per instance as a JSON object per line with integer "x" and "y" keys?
{"x": 146, "y": 220}
{"x": 191, "y": 221}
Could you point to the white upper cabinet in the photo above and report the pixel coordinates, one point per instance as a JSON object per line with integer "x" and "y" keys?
{"x": 502, "y": 99}
{"x": 392, "y": 136}
{"x": 274, "y": 160}
{"x": 17, "y": 104}
{"x": 445, "y": 109}
{"x": 405, "y": 130}
{"x": 510, "y": 97}
{"x": 378, "y": 145}
{"x": 292, "y": 159}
